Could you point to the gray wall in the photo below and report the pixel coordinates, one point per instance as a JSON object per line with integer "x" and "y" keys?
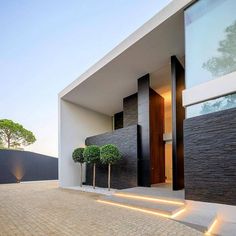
{"x": 27, "y": 166}
{"x": 124, "y": 173}
{"x": 210, "y": 157}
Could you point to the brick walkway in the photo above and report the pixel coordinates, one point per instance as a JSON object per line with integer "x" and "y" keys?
{"x": 43, "y": 209}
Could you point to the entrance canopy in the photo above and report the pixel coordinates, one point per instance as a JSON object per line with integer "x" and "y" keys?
{"x": 148, "y": 50}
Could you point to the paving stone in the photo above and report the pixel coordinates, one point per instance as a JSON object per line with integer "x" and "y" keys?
{"x": 43, "y": 209}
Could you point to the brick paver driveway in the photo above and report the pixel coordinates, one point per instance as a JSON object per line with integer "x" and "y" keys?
{"x": 44, "y": 209}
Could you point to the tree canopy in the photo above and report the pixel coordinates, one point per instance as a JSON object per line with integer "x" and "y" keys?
{"x": 77, "y": 155}
{"x": 14, "y": 135}
{"x": 92, "y": 154}
{"x": 109, "y": 154}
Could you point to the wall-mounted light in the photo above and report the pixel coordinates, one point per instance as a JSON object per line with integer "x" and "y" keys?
{"x": 17, "y": 169}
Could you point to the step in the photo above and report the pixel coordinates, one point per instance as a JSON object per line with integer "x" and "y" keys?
{"x": 149, "y": 195}
{"x": 155, "y": 207}
{"x": 224, "y": 228}
{"x": 196, "y": 219}
{"x": 155, "y": 191}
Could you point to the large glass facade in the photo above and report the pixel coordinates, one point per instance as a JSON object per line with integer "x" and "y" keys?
{"x": 210, "y": 45}
{"x": 210, "y": 40}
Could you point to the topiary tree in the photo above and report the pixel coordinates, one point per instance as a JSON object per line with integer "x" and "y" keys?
{"x": 78, "y": 156}
{"x": 109, "y": 154}
{"x": 92, "y": 156}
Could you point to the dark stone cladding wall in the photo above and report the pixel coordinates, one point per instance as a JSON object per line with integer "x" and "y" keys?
{"x": 124, "y": 173}
{"x": 210, "y": 157}
{"x": 130, "y": 106}
{"x": 28, "y": 165}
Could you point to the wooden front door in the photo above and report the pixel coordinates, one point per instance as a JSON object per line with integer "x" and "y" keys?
{"x": 157, "y": 145}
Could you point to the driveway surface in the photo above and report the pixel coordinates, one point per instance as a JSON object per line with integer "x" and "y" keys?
{"x": 43, "y": 209}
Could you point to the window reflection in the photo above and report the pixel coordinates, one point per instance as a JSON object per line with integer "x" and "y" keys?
{"x": 218, "y": 104}
{"x": 210, "y": 31}
{"x": 225, "y": 61}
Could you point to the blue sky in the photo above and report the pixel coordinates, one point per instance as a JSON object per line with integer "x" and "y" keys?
{"x": 45, "y": 45}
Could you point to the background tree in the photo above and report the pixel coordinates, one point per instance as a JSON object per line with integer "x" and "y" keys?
{"x": 109, "y": 154}
{"x": 92, "y": 156}
{"x": 15, "y": 135}
{"x": 1, "y": 144}
{"x": 78, "y": 156}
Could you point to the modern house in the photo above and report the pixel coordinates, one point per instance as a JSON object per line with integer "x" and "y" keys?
{"x": 166, "y": 96}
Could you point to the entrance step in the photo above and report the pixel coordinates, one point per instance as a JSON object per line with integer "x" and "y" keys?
{"x": 163, "y": 191}
{"x": 158, "y": 206}
{"x": 197, "y": 219}
{"x": 224, "y": 228}
{"x": 151, "y": 195}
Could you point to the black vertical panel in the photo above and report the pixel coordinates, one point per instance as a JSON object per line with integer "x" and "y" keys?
{"x": 144, "y": 173}
{"x": 118, "y": 120}
{"x": 178, "y": 116}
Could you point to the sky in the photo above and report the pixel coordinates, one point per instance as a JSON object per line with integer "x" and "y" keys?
{"x": 45, "y": 45}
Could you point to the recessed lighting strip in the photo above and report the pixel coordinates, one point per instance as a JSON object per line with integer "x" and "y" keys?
{"x": 141, "y": 210}
{"x": 149, "y": 199}
{"x": 177, "y": 213}
{"x": 209, "y": 231}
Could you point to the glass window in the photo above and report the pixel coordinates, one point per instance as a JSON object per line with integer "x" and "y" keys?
{"x": 210, "y": 37}
{"x": 218, "y": 104}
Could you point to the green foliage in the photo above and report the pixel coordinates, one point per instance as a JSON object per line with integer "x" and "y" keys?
{"x": 92, "y": 154}
{"x": 109, "y": 154}
{"x": 78, "y": 155}
{"x": 14, "y": 135}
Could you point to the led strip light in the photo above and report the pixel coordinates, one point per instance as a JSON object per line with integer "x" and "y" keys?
{"x": 149, "y": 199}
{"x": 209, "y": 231}
{"x": 142, "y": 210}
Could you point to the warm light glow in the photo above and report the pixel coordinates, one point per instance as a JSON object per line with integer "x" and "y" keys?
{"x": 149, "y": 199}
{"x": 167, "y": 97}
{"x": 209, "y": 231}
{"x": 134, "y": 208}
{"x": 17, "y": 170}
{"x": 177, "y": 213}
{"x": 140, "y": 209}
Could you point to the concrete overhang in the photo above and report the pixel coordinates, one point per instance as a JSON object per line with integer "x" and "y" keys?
{"x": 148, "y": 50}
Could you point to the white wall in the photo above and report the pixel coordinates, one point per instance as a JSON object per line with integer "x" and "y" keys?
{"x": 75, "y": 124}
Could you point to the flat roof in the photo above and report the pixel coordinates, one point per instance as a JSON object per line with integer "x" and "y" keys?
{"x": 144, "y": 51}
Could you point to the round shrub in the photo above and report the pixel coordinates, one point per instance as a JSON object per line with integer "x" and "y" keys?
{"x": 92, "y": 154}
{"x": 78, "y": 155}
{"x": 109, "y": 154}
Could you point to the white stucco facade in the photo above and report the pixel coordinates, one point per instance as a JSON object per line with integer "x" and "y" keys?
{"x": 75, "y": 124}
